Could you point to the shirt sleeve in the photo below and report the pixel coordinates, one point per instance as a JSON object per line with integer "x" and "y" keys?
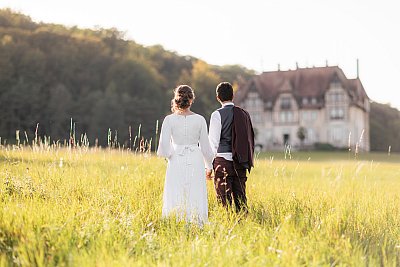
{"x": 205, "y": 147}
{"x": 165, "y": 146}
{"x": 215, "y": 131}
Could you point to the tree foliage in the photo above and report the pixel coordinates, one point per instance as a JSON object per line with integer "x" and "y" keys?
{"x": 50, "y": 73}
{"x": 384, "y": 127}
{"x": 301, "y": 134}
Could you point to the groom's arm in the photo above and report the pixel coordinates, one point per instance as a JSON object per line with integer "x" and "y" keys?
{"x": 214, "y": 134}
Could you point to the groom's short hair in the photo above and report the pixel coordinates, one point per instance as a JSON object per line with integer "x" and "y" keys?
{"x": 224, "y": 91}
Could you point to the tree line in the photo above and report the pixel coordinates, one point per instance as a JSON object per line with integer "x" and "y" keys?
{"x": 50, "y": 73}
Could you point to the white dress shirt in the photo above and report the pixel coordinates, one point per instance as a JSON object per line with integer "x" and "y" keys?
{"x": 215, "y": 133}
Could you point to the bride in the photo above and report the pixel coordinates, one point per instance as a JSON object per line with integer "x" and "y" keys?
{"x": 185, "y": 192}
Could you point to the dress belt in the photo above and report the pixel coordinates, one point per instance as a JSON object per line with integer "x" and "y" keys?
{"x": 181, "y": 150}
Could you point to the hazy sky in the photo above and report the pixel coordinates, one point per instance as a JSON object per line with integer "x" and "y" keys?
{"x": 256, "y": 34}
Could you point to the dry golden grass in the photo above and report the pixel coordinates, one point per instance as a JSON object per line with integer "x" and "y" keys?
{"x": 103, "y": 208}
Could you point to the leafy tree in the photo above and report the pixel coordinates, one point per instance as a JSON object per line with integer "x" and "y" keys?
{"x": 59, "y": 112}
{"x": 204, "y": 82}
{"x": 107, "y": 114}
{"x": 9, "y": 18}
{"x": 301, "y": 134}
{"x": 384, "y": 127}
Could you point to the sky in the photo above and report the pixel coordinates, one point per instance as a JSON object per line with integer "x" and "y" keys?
{"x": 253, "y": 33}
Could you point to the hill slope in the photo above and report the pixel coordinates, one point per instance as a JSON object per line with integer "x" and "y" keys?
{"x": 50, "y": 73}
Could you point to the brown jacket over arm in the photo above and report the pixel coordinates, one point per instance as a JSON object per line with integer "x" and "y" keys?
{"x": 242, "y": 138}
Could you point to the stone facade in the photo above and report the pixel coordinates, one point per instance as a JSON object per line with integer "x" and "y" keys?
{"x": 322, "y": 102}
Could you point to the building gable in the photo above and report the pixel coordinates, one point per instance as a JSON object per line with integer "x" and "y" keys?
{"x": 308, "y": 85}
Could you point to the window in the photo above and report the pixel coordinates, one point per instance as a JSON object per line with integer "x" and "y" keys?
{"x": 268, "y": 135}
{"x": 268, "y": 117}
{"x": 310, "y": 115}
{"x": 248, "y": 103}
{"x": 337, "y": 97}
{"x": 254, "y": 101}
{"x": 337, "y": 135}
{"x": 313, "y": 100}
{"x": 314, "y": 115}
{"x": 336, "y": 83}
{"x": 289, "y": 116}
{"x": 336, "y": 113}
{"x": 305, "y": 100}
{"x": 306, "y": 115}
{"x": 253, "y": 95}
{"x": 258, "y": 103}
{"x": 282, "y": 116}
{"x": 286, "y": 116}
{"x": 286, "y": 103}
{"x": 310, "y": 136}
{"x": 255, "y": 106}
{"x": 255, "y": 116}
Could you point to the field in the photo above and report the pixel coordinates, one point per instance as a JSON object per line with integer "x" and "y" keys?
{"x": 92, "y": 207}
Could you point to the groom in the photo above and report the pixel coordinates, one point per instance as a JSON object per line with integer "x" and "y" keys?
{"x": 232, "y": 141}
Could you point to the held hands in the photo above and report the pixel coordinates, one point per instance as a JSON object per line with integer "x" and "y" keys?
{"x": 209, "y": 174}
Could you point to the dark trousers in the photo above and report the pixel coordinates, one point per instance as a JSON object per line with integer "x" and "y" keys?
{"x": 230, "y": 183}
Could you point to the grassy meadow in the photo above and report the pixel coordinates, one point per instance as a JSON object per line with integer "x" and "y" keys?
{"x": 88, "y": 207}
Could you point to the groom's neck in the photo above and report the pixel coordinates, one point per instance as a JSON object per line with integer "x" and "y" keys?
{"x": 226, "y": 102}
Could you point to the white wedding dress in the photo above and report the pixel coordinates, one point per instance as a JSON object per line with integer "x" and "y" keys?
{"x": 185, "y": 192}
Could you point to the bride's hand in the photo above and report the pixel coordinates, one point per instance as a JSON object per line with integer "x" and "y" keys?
{"x": 209, "y": 174}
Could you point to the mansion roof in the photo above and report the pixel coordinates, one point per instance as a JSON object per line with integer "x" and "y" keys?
{"x": 303, "y": 83}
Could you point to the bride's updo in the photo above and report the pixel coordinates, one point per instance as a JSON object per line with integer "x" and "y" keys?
{"x": 183, "y": 96}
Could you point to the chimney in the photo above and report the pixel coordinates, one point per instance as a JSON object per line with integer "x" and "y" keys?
{"x": 262, "y": 64}
{"x": 326, "y": 63}
{"x": 279, "y": 67}
{"x": 297, "y": 66}
{"x": 358, "y": 70}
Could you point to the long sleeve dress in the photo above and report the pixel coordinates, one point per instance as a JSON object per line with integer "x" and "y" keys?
{"x": 184, "y": 142}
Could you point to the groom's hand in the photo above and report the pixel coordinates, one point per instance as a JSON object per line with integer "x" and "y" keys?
{"x": 208, "y": 174}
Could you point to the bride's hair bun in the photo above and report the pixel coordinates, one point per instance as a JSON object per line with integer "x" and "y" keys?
{"x": 182, "y": 97}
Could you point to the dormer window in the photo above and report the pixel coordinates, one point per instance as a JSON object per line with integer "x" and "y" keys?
{"x": 286, "y": 103}
{"x": 336, "y": 82}
{"x": 313, "y": 101}
{"x": 305, "y": 100}
{"x": 269, "y": 104}
{"x": 252, "y": 99}
{"x": 337, "y": 97}
{"x": 337, "y": 113}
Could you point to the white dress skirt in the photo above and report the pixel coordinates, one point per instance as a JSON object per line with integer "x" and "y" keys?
{"x": 184, "y": 142}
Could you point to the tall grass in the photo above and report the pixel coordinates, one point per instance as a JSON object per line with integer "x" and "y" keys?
{"x": 102, "y": 207}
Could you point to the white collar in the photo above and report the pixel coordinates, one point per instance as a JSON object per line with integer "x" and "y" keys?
{"x": 228, "y": 104}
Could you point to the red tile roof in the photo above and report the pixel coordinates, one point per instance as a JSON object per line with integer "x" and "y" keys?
{"x": 302, "y": 82}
